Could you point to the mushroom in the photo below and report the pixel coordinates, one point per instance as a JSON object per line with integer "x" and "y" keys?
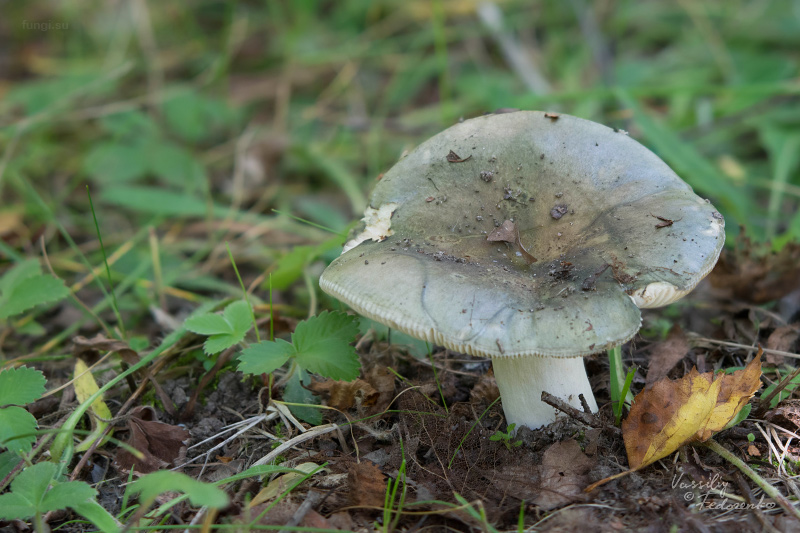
{"x": 589, "y": 208}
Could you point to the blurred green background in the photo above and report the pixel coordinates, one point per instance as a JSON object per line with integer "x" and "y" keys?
{"x": 192, "y": 123}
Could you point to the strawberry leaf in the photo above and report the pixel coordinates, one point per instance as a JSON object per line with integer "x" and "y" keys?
{"x": 19, "y": 386}
{"x": 265, "y": 357}
{"x": 224, "y": 330}
{"x": 323, "y": 345}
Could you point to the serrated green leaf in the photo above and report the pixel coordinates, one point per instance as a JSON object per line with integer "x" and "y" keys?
{"x": 19, "y": 386}
{"x": 31, "y": 292}
{"x": 218, "y": 343}
{"x": 16, "y": 421}
{"x": 29, "y": 494}
{"x": 323, "y": 345}
{"x": 238, "y": 315}
{"x": 296, "y": 393}
{"x": 8, "y": 461}
{"x": 265, "y": 356}
{"x": 65, "y": 495}
{"x": 225, "y": 330}
{"x": 29, "y": 488}
{"x": 15, "y": 507}
{"x": 21, "y": 271}
{"x": 200, "y": 494}
{"x": 210, "y": 324}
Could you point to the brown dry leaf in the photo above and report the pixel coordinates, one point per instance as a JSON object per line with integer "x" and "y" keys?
{"x": 506, "y": 233}
{"x": 99, "y": 343}
{"x": 786, "y": 414}
{"x": 367, "y": 486}
{"x": 382, "y": 380}
{"x": 670, "y": 414}
{"x": 453, "y": 157}
{"x": 754, "y": 273}
{"x": 666, "y": 355}
{"x": 280, "y": 513}
{"x": 564, "y": 474}
{"x": 343, "y": 395}
{"x": 782, "y": 340}
{"x": 160, "y": 443}
{"x": 519, "y": 481}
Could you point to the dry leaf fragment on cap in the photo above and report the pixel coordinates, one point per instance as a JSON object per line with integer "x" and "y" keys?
{"x": 670, "y": 414}
{"x": 453, "y": 157}
{"x": 505, "y": 233}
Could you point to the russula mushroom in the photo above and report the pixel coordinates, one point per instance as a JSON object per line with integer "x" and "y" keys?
{"x": 585, "y": 243}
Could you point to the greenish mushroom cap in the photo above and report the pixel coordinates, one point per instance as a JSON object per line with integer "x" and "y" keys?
{"x": 612, "y": 228}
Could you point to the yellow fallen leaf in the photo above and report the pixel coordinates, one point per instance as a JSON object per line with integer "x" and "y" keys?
{"x": 670, "y": 414}
{"x": 85, "y": 386}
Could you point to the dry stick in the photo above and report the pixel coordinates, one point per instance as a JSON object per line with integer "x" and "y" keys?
{"x": 695, "y": 339}
{"x": 587, "y": 418}
{"x": 584, "y": 404}
{"x": 748, "y": 497}
{"x": 768, "y": 489}
{"x": 763, "y": 404}
{"x": 311, "y": 501}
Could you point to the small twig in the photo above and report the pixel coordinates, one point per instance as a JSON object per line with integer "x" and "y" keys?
{"x": 768, "y": 489}
{"x": 748, "y": 497}
{"x": 695, "y": 340}
{"x": 312, "y": 499}
{"x": 587, "y": 418}
{"x": 584, "y": 404}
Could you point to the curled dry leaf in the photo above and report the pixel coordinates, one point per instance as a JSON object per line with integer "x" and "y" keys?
{"x": 160, "y": 444}
{"x": 670, "y": 414}
{"x": 100, "y": 343}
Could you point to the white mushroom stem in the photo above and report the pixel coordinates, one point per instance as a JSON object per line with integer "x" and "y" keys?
{"x": 521, "y": 381}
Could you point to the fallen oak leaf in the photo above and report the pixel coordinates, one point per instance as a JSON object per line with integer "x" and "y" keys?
{"x": 671, "y": 414}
